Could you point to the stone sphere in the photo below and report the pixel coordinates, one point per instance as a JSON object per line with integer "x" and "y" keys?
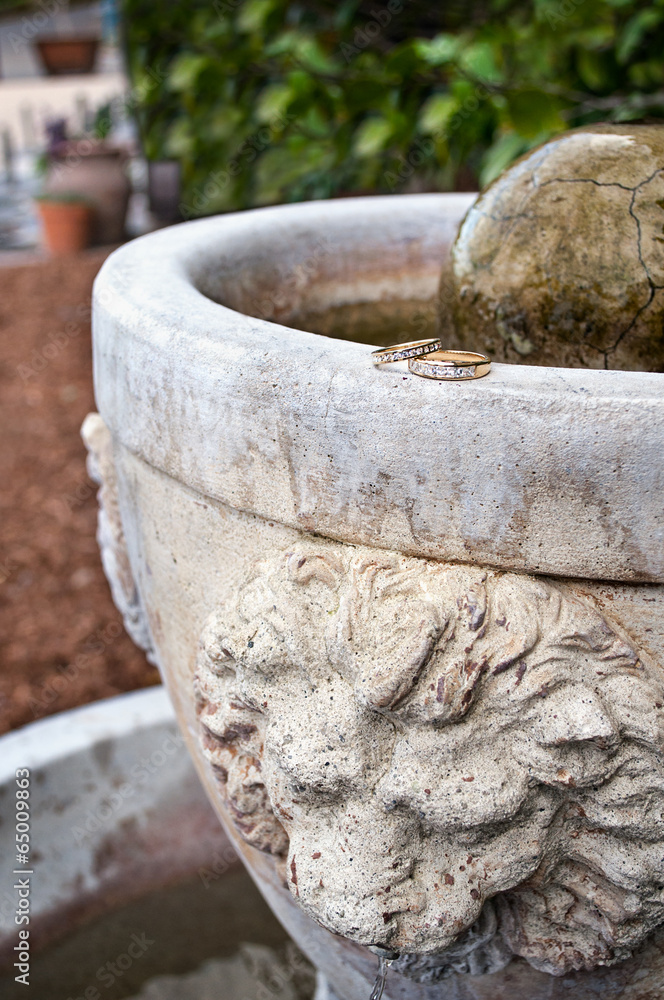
{"x": 560, "y": 261}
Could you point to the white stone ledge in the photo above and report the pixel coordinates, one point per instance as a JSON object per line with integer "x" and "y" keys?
{"x": 546, "y": 470}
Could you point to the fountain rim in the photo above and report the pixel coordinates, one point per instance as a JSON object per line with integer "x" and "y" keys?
{"x": 188, "y": 385}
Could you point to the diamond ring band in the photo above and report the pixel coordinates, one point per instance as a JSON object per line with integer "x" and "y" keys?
{"x": 428, "y": 359}
{"x": 403, "y": 352}
{"x": 451, "y": 365}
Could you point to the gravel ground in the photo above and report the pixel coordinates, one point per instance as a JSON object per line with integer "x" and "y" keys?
{"x": 61, "y": 640}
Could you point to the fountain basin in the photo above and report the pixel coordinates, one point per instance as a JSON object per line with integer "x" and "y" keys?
{"x": 264, "y": 488}
{"x": 123, "y": 844}
{"x": 114, "y": 813}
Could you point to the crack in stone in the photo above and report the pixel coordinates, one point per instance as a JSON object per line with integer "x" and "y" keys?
{"x": 630, "y": 326}
{"x": 586, "y": 180}
{"x": 652, "y": 284}
{"x": 648, "y": 179}
{"x": 506, "y": 218}
{"x": 638, "y": 223}
{"x": 511, "y": 221}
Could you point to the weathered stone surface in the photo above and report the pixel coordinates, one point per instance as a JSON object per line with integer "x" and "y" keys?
{"x": 234, "y": 440}
{"x": 561, "y": 260}
{"x": 530, "y": 468}
{"x": 254, "y": 971}
{"x": 109, "y": 829}
{"x": 110, "y": 533}
{"x": 191, "y": 557}
{"x": 444, "y": 746}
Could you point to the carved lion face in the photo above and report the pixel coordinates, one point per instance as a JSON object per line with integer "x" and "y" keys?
{"x": 419, "y": 739}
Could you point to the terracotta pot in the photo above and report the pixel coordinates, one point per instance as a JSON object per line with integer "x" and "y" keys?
{"x": 66, "y": 225}
{"x": 97, "y": 172}
{"x": 62, "y": 56}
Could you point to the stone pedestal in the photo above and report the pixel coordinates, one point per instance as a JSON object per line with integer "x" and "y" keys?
{"x": 413, "y": 630}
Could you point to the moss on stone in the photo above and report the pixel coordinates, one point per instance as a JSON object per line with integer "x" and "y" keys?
{"x": 561, "y": 259}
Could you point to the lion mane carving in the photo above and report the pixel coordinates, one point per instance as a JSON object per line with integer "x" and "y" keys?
{"x": 455, "y": 764}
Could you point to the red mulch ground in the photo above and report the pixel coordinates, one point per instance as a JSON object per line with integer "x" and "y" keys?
{"x": 58, "y": 641}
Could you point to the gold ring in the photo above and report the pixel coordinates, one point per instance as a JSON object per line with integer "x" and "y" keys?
{"x": 401, "y": 352}
{"x": 451, "y": 365}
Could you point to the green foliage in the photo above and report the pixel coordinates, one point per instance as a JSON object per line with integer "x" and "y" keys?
{"x": 63, "y": 197}
{"x": 263, "y": 101}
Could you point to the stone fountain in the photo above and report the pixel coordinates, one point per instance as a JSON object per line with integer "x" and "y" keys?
{"x": 412, "y": 630}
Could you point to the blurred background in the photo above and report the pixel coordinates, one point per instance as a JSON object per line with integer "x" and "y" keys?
{"x": 121, "y": 116}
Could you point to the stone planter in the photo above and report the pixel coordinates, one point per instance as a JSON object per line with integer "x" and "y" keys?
{"x": 413, "y": 630}
{"x": 96, "y": 172}
{"x": 104, "y": 830}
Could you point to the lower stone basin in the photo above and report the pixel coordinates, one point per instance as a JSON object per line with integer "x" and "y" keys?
{"x": 412, "y": 630}
{"x": 124, "y": 844}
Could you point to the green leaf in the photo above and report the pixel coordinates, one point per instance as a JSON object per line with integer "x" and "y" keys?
{"x": 646, "y": 76}
{"x": 313, "y": 57}
{"x": 402, "y": 59}
{"x": 369, "y": 96}
{"x": 252, "y": 15}
{"x": 281, "y": 167}
{"x": 372, "y": 136}
{"x": 314, "y": 123}
{"x": 439, "y": 50}
{"x": 273, "y": 101}
{"x": 532, "y": 112}
{"x": 500, "y": 155}
{"x": 185, "y": 71}
{"x": 225, "y": 123}
{"x": 210, "y": 75}
{"x": 635, "y": 30}
{"x": 285, "y": 42}
{"x": 599, "y": 37}
{"x": 180, "y": 140}
{"x": 437, "y": 112}
{"x": 301, "y": 83}
{"x": 593, "y": 69}
{"x": 479, "y": 60}
{"x": 344, "y": 14}
{"x": 305, "y": 49}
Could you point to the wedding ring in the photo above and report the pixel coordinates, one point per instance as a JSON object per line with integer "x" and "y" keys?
{"x": 451, "y": 365}
{"x": 401, "y": 352}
